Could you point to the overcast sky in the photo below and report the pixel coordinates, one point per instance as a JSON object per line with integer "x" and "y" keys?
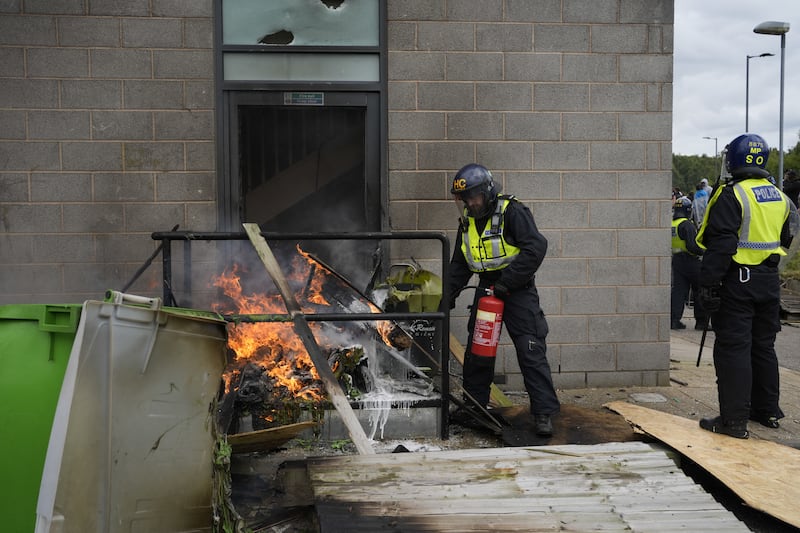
{"x": 712, "y": 41}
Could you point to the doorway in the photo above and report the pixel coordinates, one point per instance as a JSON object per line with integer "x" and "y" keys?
{"x": 308, "y": 162}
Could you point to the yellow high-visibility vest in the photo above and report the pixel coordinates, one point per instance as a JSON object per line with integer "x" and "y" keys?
{"x": 489, "y": 250}
{"x": 764, "y": 211}
{"x": 678, "y": 244}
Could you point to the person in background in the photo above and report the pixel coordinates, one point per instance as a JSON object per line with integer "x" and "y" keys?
{"x": 498, "y": 240}
{"x": 791, "y": 185}
{"x": 747, "y": 222}
{"x": 699, "y": 203}
{"x": 685, "y": 265}
{"x": 706, "y": 186}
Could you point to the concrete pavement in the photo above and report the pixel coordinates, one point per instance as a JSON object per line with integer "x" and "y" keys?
{"x": 693, "y": 391}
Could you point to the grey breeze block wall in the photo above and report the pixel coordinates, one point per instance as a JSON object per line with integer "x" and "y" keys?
{"x": 569, "y": 103}
{"x": 106, "y": 135}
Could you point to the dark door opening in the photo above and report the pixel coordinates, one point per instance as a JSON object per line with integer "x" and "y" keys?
{"x": 309, "y": 168}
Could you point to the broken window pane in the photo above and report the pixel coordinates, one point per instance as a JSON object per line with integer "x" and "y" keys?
{"x": 302, "y": 67}
{"x": 301, "y": 22}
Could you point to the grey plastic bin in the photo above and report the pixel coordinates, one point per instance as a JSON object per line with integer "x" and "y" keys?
{"x": 132, "y": 446}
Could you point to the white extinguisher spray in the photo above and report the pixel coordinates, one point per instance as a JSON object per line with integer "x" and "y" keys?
{"x": 488, "y": 325}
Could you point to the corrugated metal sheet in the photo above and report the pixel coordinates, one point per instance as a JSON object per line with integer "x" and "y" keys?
{"x": 631, "y": 486}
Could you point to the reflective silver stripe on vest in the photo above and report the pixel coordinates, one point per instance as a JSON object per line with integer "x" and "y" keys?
{"x": 496, "y": 228}
{"x": 745, "y": 233}
{"x": 486, "y": 264}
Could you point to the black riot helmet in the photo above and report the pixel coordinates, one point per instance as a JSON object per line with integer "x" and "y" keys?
{"x": 473, "y": 180}
{"x": 747, "y": 155}
{"x": 682, "y": 208}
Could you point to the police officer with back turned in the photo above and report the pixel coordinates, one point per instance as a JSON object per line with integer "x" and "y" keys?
{"x": 747, "y": 221}
{"x": 498, "y": 240}
{"x": 685, "y": 266}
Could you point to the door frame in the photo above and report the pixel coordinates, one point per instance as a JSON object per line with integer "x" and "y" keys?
{"x": 230, "y": 203}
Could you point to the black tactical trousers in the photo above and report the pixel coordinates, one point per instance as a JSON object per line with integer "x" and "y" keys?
{"x": 744, "y": 351}
{"x": 525, "y": 323}
{"x": 685, "y": 276}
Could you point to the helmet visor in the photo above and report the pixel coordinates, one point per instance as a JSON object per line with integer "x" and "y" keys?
{"x": 468, "y": 194}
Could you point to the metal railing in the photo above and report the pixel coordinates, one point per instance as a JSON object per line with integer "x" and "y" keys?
{"x": 167, "y": 238}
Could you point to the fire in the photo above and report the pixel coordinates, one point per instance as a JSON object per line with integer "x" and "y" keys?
{"x": 385, "y": 329}
{"x": 274, "y": 345}
{"x": 317, "y": 278}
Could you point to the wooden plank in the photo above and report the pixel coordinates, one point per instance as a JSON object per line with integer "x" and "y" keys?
{"x": 505, "y": 454}
{"x": 496, "y": 396}
{"x": 335, "y": 392}
{"x": 763, "y": 473}
{"x": 366, "y": 519}
{"x": 265, "y": 440}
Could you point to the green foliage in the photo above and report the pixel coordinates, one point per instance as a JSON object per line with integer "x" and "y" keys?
{"x": 791, "y": 159}
{"x": 340, "y": 445}
{"x": 225, "y": 517}
{"x": 792, "y": 269}
{"x": 688, "y": 170}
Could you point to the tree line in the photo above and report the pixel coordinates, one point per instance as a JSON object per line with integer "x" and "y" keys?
{"x": 688, "y": 170}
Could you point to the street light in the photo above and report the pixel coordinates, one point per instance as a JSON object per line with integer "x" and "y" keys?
{"x": 747, "y": 91}
{"x": 716, "y": 152}
{"x": 772, "y": 27}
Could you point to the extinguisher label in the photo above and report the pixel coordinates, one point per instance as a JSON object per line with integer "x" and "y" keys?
{"x": 487, "y": 331}
{"x": 487, "y": 316}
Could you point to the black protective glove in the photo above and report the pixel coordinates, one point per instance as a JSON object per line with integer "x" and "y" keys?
{"x": 501, "y": 291}
{"x": 451, "y": 303}
{"x": 709, "y": 298}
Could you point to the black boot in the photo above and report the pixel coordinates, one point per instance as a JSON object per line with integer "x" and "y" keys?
{"x": 769, "y": 421}
{"x": 732, "y": 428}
{"x": 543, "y": 425}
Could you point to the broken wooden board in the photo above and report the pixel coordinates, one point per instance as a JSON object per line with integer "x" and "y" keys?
{"x": 762, "y": 473}
{"x": 496, "y": 396}
{"x": 629, "y": 486}
{"x": 265, "y": 440}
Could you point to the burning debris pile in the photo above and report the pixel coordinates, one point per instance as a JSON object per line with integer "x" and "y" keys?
{"x": 271, "y": 380}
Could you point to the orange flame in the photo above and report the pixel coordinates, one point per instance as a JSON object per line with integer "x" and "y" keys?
{"x": 275, "y": 345}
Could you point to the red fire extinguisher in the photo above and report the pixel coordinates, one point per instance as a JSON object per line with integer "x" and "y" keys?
{"x": 488, "y": 325}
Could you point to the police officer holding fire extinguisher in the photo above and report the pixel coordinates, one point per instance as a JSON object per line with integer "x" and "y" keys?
{"x": 498, "y": 240}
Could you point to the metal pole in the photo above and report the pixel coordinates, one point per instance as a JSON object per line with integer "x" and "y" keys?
{"x": 780, "y": 133}
{"x": 747, "y": 98}
{"x": 775, "y": 27}
{"x": 716, "y": 145}
{"x": 703, "y": 340}
{"x": 747, "y": 91}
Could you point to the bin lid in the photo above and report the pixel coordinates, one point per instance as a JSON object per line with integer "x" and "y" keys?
{"x": 56, "y": 318}
{"x": 406, "y": 282}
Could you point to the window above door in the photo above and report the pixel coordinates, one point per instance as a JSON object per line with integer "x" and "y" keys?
{"x": 301, "y": 40}
{"x": 301, "y": 22}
